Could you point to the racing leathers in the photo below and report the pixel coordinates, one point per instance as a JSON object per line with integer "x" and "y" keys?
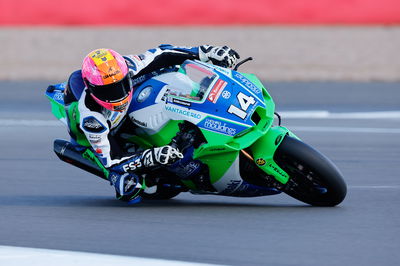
{"x": 100, "y": 125}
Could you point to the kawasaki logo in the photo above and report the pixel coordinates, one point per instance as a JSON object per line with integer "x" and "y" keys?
{"x": 260, "y": 161}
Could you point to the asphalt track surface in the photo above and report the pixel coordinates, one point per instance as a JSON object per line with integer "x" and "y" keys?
{"x": 45, "y": 203}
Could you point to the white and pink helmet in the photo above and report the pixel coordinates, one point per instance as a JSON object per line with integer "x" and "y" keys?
{"x": 105, "y": 74}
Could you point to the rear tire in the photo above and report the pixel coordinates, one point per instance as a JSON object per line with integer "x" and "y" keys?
{"x": 314, "y": 179}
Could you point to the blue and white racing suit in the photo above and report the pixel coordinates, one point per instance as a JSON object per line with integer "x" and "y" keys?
{"x": 100, "y": 125}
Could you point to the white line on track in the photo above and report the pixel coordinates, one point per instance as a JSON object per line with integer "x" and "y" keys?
{"x": 11, "y": 256}
{"x": 316, "y": 114}
{"x": 49, "y": 123}
{"x": 29, "y": 123}
{"x": 347, "y": 129}
{"x": 374, "y": 187}
{"x": 321, "y": 114}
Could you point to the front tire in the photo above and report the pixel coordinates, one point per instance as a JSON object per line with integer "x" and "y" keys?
{"x": 314, "y": 179}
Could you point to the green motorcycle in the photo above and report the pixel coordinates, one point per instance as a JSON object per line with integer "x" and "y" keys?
{"x": 222, "y": 121}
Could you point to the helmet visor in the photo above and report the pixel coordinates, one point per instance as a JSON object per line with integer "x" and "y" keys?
{"x": 113, "y": 92}
{"x": 118, "y": 106}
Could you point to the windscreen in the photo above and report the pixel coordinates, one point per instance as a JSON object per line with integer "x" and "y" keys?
{"x": 192, "y": 81}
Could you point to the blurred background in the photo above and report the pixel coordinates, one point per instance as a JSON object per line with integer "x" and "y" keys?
{"x": 355, "y": 40}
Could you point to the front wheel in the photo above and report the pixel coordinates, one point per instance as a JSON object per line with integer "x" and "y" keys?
{"x": 314, "y": 179}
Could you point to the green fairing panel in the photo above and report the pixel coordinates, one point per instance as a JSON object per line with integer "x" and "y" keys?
{"x": 161, "y": 138}
{"x": 89, "y": 155}
{"x": 219, "y": 163}
{"x": 264, "y": 149}
{"x": 267, "y": 98}
{"x": 60, "y": 112}
{"x": 222, "y": 150}
{"x": 57, "y": 109}
{"x": 74, "y": 118}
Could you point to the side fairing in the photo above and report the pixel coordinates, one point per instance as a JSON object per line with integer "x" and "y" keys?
{"x": 55, "y": 94}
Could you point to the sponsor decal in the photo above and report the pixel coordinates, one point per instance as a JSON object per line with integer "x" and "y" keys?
{"x": 184, "y": 103}
{"x": 99, "y": 53}
{"x": 190, "y": 168}
{"x": 99, "y": 151}
{"x": 223, "y": 70}
{"x": 260, "y": 162}
{"x": 247, "y": 83}
{"x": 232, "y": 185}
{"x": 111, "y": 72}
{"x": 216, "y": 91}
{"x": 122, "y": 107}
{"x": 226, "y": 94}
{"x": 138, "y": 80}
{"x": 219, "y": 126}
{"x": 279, "y": 172}
{"x": 132, "y": 165}
{"x": 113, "y": 178}
{"x": 58, "y": 96}
{"x": 183, "y": 112}
{"x": 94, "y": 138}
{"x": 114, "y": 115}
{"x": 91, "y": 124}
{"x": 249, "y": 190}
{"x": 116, "y": 121}
{"x": 139, "y": 123}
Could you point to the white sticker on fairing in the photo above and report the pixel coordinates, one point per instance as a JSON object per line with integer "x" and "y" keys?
{"x": 151, "y": 118}
{"x": 230, "y": 181}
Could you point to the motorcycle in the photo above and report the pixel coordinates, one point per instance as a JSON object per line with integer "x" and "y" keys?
{"x": 225, "y": 124}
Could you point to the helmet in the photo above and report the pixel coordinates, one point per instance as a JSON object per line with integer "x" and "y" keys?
{"x": 107, "y": 78}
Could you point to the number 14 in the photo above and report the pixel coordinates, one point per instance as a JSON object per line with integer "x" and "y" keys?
{"x": 245, "y": 102}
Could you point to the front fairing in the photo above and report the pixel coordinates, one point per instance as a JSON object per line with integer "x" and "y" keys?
{"x": 230, "y": 108}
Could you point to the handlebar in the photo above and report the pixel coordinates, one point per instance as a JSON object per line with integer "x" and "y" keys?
{"x": 242, "y": 62}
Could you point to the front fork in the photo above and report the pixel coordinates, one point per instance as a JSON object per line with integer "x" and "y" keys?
{"x": 263, "y": 151}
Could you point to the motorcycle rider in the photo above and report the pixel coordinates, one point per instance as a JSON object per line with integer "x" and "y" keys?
{"x": 98, "y": 96}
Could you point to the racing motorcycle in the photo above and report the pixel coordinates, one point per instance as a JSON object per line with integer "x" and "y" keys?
{"x": 225, "y": 124}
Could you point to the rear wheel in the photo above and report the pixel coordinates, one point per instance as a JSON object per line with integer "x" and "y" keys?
{"x": 314, "y": 179}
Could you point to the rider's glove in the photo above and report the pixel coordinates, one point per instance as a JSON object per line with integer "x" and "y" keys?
{"x": 218, "y": 55}
{"x": 164, "y": 155}
{"x": 127, "y": 186}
